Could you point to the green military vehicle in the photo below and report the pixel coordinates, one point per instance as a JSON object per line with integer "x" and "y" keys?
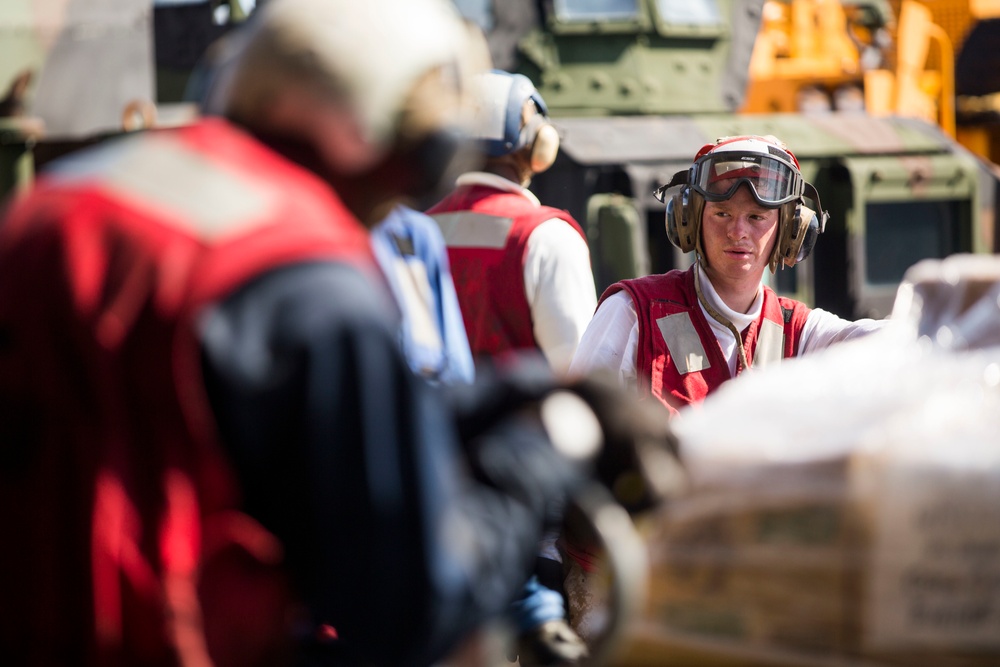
{"x": 636, "y": 87}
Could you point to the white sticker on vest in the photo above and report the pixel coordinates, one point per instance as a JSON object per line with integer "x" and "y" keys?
{"x": 466, "y": 229}
{"x": 178, "y": 183}
{"x": 770, "y": 344}
{"x": 686, "y": 350}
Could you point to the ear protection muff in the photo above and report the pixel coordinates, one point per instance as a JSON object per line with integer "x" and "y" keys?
{"x": 683, "y": 214}
{"x": 798, "y": 237}
{"x": 682, "y": 221}
{"x": 543, "y": 138}
{"x": 790, "y": 236}
{"x": 800, "y": 228}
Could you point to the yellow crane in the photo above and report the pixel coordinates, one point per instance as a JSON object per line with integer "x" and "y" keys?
{"x": 885, "y": 58}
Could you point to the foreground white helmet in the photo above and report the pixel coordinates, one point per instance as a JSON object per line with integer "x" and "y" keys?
{"x": 344, "y": 74}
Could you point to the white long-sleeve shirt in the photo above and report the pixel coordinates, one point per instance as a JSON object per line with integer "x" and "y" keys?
{"x": 611, "y": 341}
{"x": 558, "y": 278}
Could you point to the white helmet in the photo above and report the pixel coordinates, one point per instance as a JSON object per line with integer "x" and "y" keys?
{"x": 341, "y": 73}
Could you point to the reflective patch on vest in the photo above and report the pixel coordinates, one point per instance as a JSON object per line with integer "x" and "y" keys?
{"x": 770, "y": 344}
{"x": 206, "y": 198}
{"x": 683, "y": 342}
{"x": 467, "y": 229}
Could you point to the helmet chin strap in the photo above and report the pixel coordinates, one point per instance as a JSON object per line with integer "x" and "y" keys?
{"x": 679, "y": 178}
{"x": 721, "y": 319}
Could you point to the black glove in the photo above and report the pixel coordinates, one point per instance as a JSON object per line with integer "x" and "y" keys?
{"x": 633, "y": 453}
{"x": 516, "y": 456}
{"x": 639, "y": 460}
{"x": 499, "y": 392}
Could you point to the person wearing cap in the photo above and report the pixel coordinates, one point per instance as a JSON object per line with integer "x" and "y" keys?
{"x": 214, "y": 450}
{"x": 522, "y": 269}
{"x": 678, "y": 336}
{"x": 524, "y": 283}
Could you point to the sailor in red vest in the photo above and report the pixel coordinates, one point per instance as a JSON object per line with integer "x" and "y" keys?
{"x": 524, "y": 280}
{"x": 678, "y": 336}
{"x": 213, "y": 449}
{"x": 522, "y": 269}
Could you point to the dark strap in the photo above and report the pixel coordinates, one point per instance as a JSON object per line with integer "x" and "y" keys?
{"x": 680, "y": 178}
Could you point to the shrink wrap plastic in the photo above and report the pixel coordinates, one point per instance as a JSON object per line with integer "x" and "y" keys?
{"x": 844, "y": 507}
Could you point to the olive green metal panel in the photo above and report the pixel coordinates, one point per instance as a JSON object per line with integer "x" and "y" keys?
{"x": 906, "y": 210}
{"x": 833, "y": 134}
{"x": 926, "y": 192}
{"x": 637, "y": 93}
{"x": 657, "y": 62}
{"x": 16, "y": 163}
{"x": 677, "y": 138}
{"x": 913, "y": 178}
{"x": 617, "y": 238}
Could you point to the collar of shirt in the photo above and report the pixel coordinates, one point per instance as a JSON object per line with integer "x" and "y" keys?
{"x": 740, "y": 320}
{"x": 497, "y": 182}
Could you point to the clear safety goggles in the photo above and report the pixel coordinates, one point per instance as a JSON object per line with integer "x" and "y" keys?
{"x": 772, "y": 180}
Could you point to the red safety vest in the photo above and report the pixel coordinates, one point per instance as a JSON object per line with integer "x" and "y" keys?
{"x": 679, "y": 359}
{"x": 115, "y": 494}
{"x": 486, "y": 231}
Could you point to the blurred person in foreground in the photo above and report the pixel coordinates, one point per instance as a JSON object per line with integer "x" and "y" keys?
{"x": 678, "y": 336}
{"x": 522, "y": 269}
{"x": 213, "y": 449}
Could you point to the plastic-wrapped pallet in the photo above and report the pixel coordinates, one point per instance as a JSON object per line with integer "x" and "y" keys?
{"x": 844, "y": 507}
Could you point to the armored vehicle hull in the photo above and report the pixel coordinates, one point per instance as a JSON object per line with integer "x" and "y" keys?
{"x": 897, "y": 190}
{"x": 636, "y": 87}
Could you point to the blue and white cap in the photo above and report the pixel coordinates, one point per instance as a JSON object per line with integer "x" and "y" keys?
{"x": 498, "y": 98}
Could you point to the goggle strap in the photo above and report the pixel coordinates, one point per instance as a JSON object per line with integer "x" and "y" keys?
{"x": 680, "y": 178}
{"x": 810, "y": 191}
